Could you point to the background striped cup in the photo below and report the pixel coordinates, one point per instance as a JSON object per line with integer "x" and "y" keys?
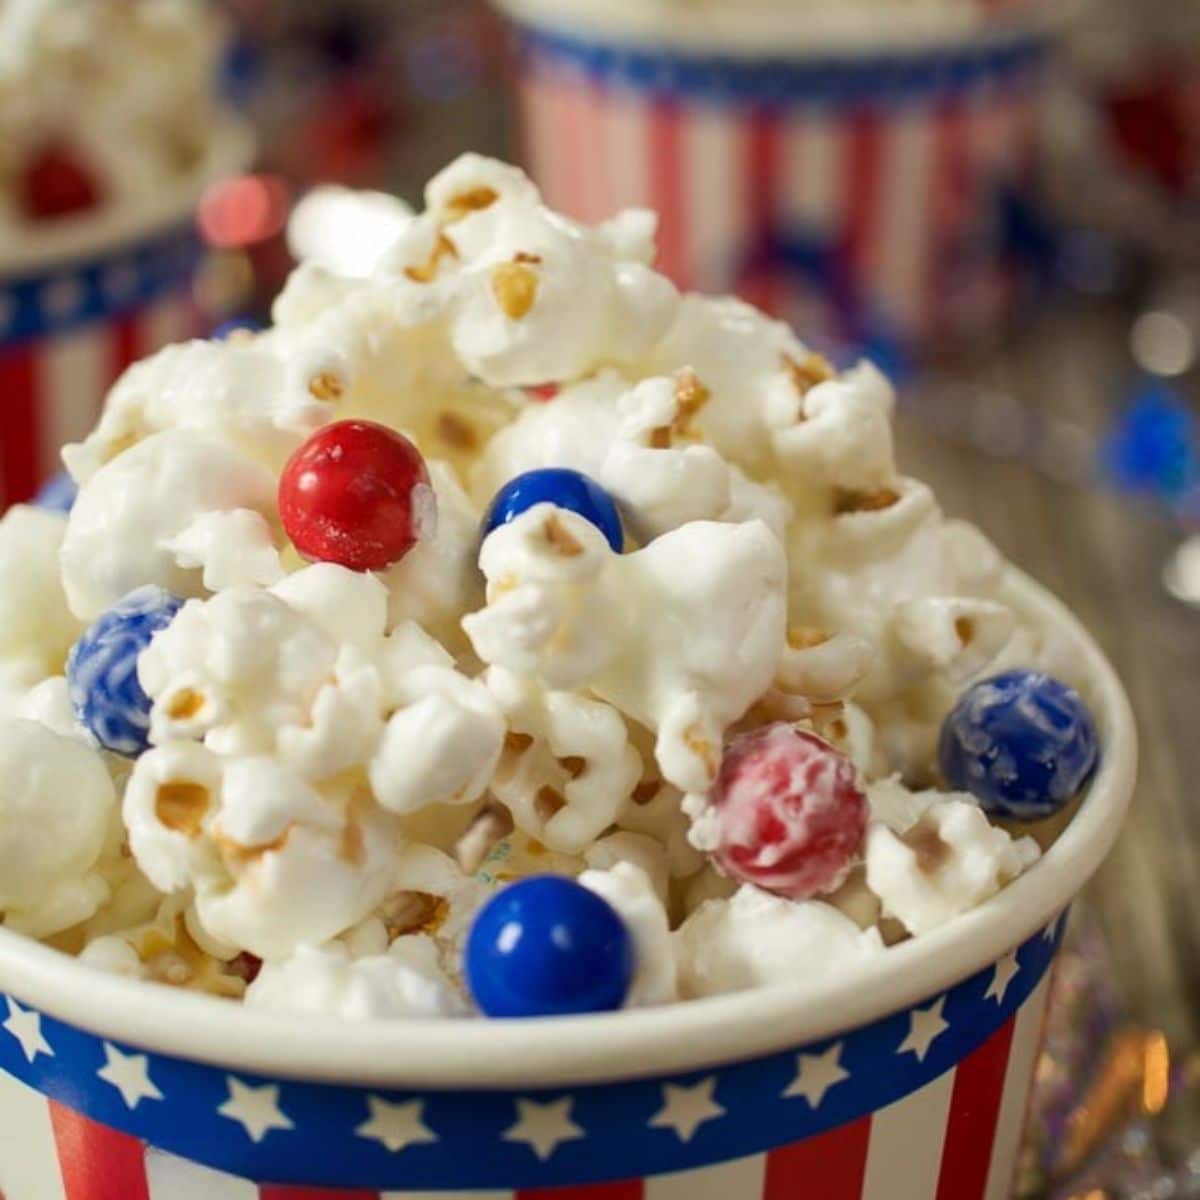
{"x": 863, "y": 170}
{"x": 84, "y": 298}
{"x": 907, "y": 1080}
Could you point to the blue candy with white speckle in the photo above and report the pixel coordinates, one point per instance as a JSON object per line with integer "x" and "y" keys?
{"x": 236, "y": 325}
{"x": 1022, "y": 743}
{"x": 57, "y": 494}
{"x": 102, "y": 669}
{"x": 562, "y": 487}
{"x": 547, "y": 946}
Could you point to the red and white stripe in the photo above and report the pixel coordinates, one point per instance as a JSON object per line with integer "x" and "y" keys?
{"x": 896, "y": 186}
{"x": 954, "y": 1139}
{"x": 52, "y": 388}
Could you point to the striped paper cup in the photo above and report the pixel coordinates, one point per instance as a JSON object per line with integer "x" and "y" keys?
{"x": 81, "y": 301}
{"x": 862, "y": 183}
{"x": 907, "y": 1080}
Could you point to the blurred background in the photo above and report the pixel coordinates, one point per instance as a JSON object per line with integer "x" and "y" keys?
{"x": 1004, "y": 211}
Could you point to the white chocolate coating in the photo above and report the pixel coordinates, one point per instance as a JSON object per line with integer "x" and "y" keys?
{"x": 630, "y": 891}
{"x": 131, "y": 522}
{"x": 754, "y": 939}
{"x": 273, "y": 862}
{"x": 37, "y": 628}
{"x": 950, "y": 860}
{"x": 56, "y": 799}
{"x": 328, "y": 980}
{"x": 344, "y": 766}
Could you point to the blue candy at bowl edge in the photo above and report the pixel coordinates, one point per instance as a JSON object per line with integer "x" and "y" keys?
{"x": 547, "y": 946}
{"x": 237, "y": 325}
{"x": 562, "y": 487}
{"x": 57, "y": 494}
{"x": 1022, "y": 743}
{"x": 102, "y": 669}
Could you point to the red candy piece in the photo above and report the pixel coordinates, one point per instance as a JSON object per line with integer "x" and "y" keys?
{"x": 57, "y": 184}
{"x": 357, "y": 494}
{"x": 791, "y": 812}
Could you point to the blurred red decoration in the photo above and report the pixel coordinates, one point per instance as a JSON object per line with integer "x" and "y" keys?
{"x": 56, "y": 184}
{"x": 244, "y": 210}
{"x": 347, "y": 132}
{"x": 1152, "y": 129}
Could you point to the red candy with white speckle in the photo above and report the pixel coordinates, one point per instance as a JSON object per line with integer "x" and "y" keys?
{"x": 357, "y": 494}
{"x": 790, "y": 811}
{"x": 56, "y": 183}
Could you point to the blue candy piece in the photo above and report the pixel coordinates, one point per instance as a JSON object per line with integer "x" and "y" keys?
{"x": 58, "y": 494}
{"x": 1021, "y": 743}
{"x": 547, "y": 946}
{"x": 235, "y": 325}
{"x": 102, "y": 669}
{"x": 564, "y": 488}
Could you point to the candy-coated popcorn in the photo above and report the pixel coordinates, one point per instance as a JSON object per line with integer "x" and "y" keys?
{"x": 664, "y": 680}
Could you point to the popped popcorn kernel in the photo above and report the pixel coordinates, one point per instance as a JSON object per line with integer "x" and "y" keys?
{"x": 348, "y": 758}
{"x": 473, "y": 200}
{"x": 181, "y": 807}
{"x": 327, "y": 387}
{"x": 846, "y": 501}
{"x": 443, "y": 249}
{"x": 559, "y": 538}
{"x": 515, "y": 286}
{"x": 456, "y": 430}
{"x": 806, "y": 372}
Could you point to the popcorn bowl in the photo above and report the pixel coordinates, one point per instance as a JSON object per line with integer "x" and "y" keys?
{"x": 82, "y": 299}
{"x": 857, "y": 167}
{"x": 906, "y": 1078}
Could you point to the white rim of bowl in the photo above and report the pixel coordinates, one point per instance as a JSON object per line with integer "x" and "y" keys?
{"x": 690, "y": 1035}
{"x": 46, "y": 246}
{"x": 865, "y": 28}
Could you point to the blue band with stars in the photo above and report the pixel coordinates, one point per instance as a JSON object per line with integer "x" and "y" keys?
{"x": 849, "y": 80}
{"x": 101, "y": 288}
{"x": 284, "y": 1131}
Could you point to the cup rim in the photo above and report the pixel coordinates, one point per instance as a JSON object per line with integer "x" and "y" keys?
{"x": 809, "y": 31}
{"x": 230, "y": 149}
{"x": 691, "y": 1035}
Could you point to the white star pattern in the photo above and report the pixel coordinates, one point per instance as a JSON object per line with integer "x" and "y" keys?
{"x": 1006, "y": 970}
{"x": 543, "y": 1127}
{"x": 255, "y": 1109}
{"x": 130, "y": 1075}
{"x": 63, "y": 298}
{"x": 685, "y": 1109}
{"x": 925, "y": 1027}
{"x": 395, "y": 1126}
{"x": 1051, "y": 930}
{"x": 119, "y": 281}
{"x": 816, "y": 1074}
{"x": 26, "y": 1027}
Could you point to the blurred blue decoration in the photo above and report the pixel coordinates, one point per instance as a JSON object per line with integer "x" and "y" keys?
{"x": 58, "y": 493}
{"x": 241, "y": 71}
{"x": 796, "y": 264}
{"x": 1153, "y": 448}
{"x": 887, "y": 351}
{"x": 102, "y": 669}
{"x": 1028, "y": 233}
{"x": 444, "y": 65}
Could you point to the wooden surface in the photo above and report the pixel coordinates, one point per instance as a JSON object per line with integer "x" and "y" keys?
{"x": 1103, "y": 554}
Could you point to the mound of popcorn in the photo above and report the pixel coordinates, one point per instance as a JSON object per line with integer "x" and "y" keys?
{"x": 339, "y": 767}
{"x": 80, "y": 129}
